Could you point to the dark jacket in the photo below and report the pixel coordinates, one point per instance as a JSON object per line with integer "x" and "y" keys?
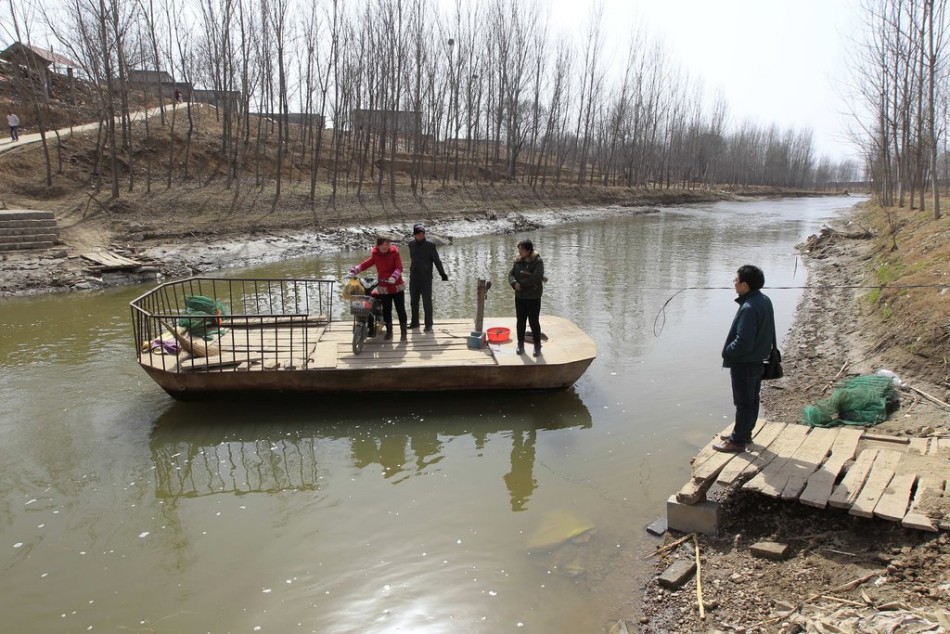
{"x": 529, "y": 272}
{"x": 750, "y": 337}
{"x": 422, "y": 255}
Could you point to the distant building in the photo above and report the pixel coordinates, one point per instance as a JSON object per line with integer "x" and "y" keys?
{"x": 145, "y": 76}
{"x": 403, "y": 122}
{"x": 41, "y": 61}
{"x": 35, "y": 57}
{"x": 158, "y": 84}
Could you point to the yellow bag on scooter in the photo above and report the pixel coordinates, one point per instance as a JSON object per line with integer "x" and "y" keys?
{"x": 353, "y": 287}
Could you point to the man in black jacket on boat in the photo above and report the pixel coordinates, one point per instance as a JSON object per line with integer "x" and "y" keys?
{"x": 422, "y": 254}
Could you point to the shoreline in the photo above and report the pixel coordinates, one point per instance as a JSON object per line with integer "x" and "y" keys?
{"x": 62, "y": 269}
{"x": 175, "y": 246}
{"x": 835, "y": 333}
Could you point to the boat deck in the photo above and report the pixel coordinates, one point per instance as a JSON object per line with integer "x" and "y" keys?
{"x": 274, "y": 335}
{"x": 311, "y": 346}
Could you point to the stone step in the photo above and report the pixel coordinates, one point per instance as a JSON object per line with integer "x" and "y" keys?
{"x": 26, "y": 223}
{"x": 27, "y": 231}
{"x": 36, "y": 237}
{"x": 25, "y": 214}
{"x": 26, "y": 246}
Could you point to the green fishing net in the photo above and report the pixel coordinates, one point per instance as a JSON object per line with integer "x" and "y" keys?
{"x": 860, "y": 400}
{"x": 202, "y": 317}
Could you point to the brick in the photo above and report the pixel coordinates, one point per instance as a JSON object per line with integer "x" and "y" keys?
{"x": 677, "y": 574}
{"x": 657, "y": 526}
{"x": 771, "y": 550}
{"x": 702, "y": 517}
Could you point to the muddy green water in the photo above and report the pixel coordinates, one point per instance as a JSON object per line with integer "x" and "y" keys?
{"x": 126, "y": 511}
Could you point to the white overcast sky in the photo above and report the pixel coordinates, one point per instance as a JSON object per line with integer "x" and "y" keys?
{"x": 781, "y": 61}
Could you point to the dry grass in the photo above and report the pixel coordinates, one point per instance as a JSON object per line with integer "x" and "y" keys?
{"x": 914, "y": 301}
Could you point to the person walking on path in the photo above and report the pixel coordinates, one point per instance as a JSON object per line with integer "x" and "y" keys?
{"x": 388, "y": 263}
{"x": 14, "y": 122}
{"x": 527, "y": 279}
{"x": 422, "y": 256}
{"x": 747, "y": 347}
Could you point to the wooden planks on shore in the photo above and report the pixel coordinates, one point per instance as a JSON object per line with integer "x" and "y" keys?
{"x": 868, "y": 474}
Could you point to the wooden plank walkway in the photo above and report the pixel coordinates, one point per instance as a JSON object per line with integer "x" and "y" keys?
{"x": 869, "y": 474}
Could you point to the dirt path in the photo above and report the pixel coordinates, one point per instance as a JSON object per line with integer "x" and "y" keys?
{"x": 845, "y": 574}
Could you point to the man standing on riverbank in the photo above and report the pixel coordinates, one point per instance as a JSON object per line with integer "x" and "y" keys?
{"x": 422, "y": 255}
{"x": 14, "y": 122}
{"x": 747, "y": 347}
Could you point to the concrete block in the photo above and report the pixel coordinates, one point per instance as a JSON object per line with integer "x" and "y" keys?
{"x": 677, "y": 574}
{"x": 771, "y": 550}
{"x": 702, "y": 517}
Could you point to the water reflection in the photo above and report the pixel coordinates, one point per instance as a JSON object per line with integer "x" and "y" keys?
{"x": 205, "y": 449}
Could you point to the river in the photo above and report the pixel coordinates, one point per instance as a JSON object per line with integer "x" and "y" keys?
{"x": 124, "y": 510}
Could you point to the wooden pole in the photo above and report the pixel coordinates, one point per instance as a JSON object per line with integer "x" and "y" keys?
{"x": 480, "y": 305}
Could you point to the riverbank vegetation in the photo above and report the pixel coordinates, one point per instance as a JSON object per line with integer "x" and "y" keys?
{"x": 385, "y": 99}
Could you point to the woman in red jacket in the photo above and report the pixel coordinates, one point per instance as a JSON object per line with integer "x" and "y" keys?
{"x": 385, "y": 257}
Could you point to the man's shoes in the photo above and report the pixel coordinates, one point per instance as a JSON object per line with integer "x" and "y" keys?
{"x": 537, "y": 352}
{"x": 520, "y": 350}
{"x": 413, "y": 325}
{"x": 426, "y": 329}
{"x": 727, "y": 446}
{"x": 725, "y": 437}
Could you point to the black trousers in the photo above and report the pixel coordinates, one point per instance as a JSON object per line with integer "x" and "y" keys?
{"x": 528, "y": 311}
{"x": 421, "y": 287}
{"x": 388, "y": 300}
{"x": 746, "y": 385}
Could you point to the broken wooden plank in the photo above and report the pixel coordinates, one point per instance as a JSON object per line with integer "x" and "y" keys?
{"x": 706, "y": 453}
{"x": 742, "y": 462}
{"x": 819, "y": 485}
{"x": 846, "y": 492}
{"x": 882, "y": 471}
{"x": 918, "y": 445}
{"x": 896, "y": 498}
{"x": 808, "y": 459}
{"x": 694, "y": 491}
{"x": 928, "y": 488}
{"x": 109, "y": 260}
{"x": 782, "y": 449}
{"x": 709, "y": 462}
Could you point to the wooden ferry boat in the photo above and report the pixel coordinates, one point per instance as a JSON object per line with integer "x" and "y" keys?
{"x": 279, "y": 335}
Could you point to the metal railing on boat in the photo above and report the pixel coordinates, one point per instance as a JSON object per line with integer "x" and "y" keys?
{"x": 269, "y": 324}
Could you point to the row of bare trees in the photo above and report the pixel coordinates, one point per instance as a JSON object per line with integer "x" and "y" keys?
{"x": 902, "y": 68}
{"x": 485, "y": 91}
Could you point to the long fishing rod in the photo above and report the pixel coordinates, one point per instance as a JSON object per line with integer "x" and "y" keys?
{"x": 660, "y": 320}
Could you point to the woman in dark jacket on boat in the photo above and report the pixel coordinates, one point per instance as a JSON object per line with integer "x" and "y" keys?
{"x": 385, "y": 257}
{"x": 527, "y": 279}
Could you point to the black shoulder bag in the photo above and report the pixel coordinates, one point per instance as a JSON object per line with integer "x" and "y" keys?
{"x": 772, "y": 369}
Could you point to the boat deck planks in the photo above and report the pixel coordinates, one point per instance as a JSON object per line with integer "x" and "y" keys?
{"x": 868, "y": 474}
{"x": 303, "y": 345}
